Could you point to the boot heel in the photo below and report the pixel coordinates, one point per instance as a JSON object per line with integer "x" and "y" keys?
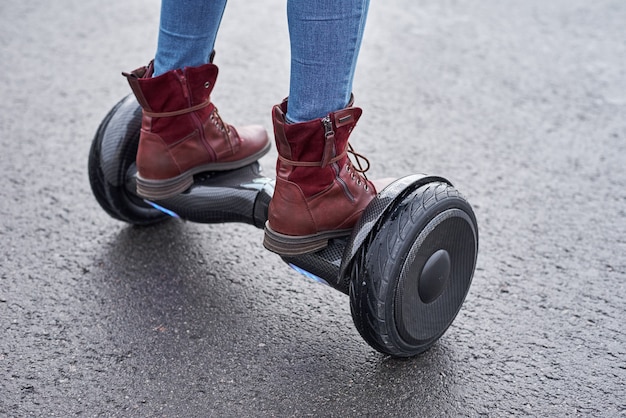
{"x": 163, "y": 189}
{"x": 287, "y": 245}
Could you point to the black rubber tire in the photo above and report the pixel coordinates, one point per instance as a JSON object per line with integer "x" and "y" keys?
{"x": 116, "y": 200}
{"x": 381, "y": 274}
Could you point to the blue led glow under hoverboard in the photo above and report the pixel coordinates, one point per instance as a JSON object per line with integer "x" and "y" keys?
{"x": 407, "y": 266}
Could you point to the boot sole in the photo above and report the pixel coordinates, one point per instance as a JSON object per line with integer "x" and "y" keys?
{"x": 164, "y": 189}
{"x": 289, "y": 245}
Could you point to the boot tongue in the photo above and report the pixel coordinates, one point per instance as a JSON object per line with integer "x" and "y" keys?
{"x": 141, "y": 72}
{"x": 148, "y": 70}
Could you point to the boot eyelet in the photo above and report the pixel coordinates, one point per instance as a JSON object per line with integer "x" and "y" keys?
{"x": 348, "y": 168}
{"x": 207, "y": 85}
{"x": 366, "y": 187}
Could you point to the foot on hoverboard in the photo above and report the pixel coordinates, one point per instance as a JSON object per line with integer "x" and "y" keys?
{"x": 182, "y": 133}
{"x": 319, "y": 193}
{"x": 406, "y": 266}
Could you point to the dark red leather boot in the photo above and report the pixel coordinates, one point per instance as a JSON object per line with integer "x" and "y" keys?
{"x": 182, "y": 133}
{"x": 319, "y": 194}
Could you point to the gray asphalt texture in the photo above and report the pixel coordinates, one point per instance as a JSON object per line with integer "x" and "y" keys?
{"x": 522, "y": 105}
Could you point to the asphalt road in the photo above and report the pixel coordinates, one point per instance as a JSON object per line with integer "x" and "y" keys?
{"x": 522, "y": 105}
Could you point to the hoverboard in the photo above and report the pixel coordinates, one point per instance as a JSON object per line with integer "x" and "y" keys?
{"x": 407, "y": 266}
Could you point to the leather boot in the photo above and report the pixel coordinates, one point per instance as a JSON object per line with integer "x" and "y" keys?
{"x": 319, "y": 194}
{"x": 182, "y": 133}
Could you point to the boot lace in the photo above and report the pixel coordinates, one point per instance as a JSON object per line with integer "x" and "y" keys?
{"x": 358, "y": 173}
{"x": 218, "y": 122}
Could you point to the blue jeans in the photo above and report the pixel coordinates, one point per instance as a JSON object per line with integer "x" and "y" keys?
{"x": 325, "y": 37}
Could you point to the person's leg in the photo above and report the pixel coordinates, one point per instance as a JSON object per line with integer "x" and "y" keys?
{"x": 182, "y": 133}
{"x": 187, "y": 33}
{"x": 319, "y": 194}
{"x": 325, "y": 38}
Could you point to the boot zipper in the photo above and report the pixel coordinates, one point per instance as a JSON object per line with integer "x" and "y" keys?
{"x": 328, "y": 126}
{"x": 328, "y": 151}
{"x": 329, "y": 136}
{"x": 183, "y": 84}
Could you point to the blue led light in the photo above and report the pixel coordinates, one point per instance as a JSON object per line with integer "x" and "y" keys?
{"x": 308, "y": 274}
{"x": 162, "y": 209}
